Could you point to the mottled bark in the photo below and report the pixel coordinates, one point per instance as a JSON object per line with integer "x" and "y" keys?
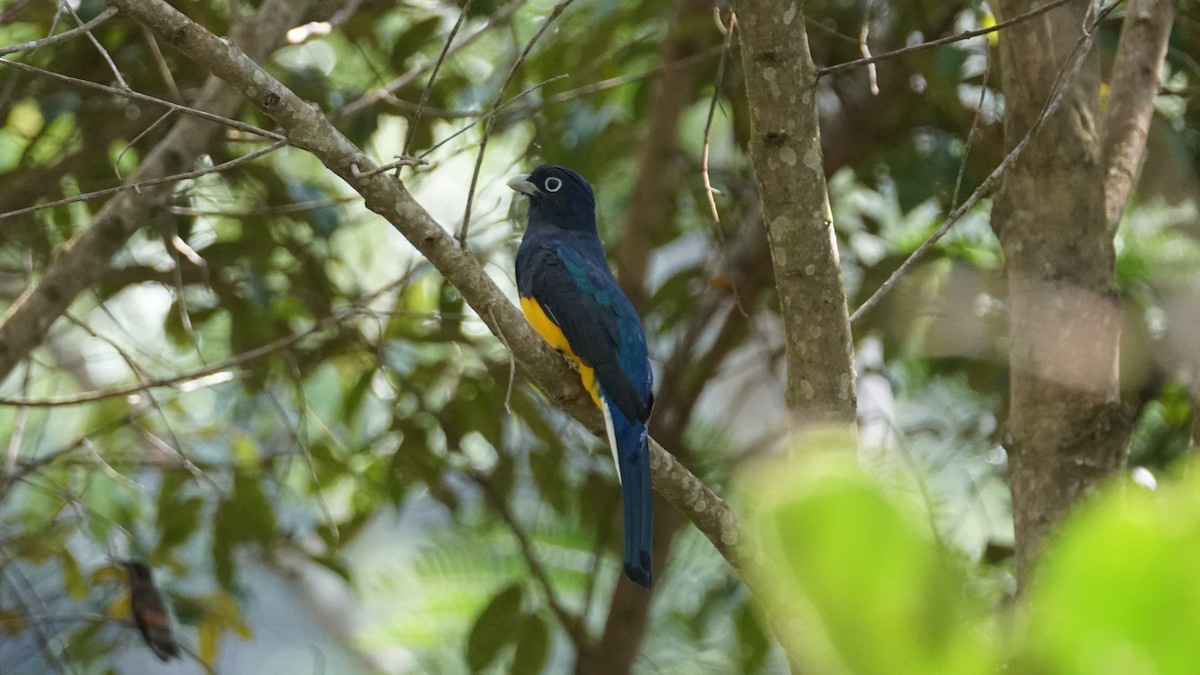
{"x": 1132, "y": 90}
{"x": 84, "y": 259}
{"x": 786, "y": 152}
{"x": 1066, "y": 430}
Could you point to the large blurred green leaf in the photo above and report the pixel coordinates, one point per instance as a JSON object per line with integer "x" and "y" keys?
{"x": 244, "y": 517}
{"x": 1117, "y": 592}
{"x": 498, "y": 626}
{"x": 873, "y": 593}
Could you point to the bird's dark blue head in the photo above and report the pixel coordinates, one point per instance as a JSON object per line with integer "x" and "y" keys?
{"x": 558, "y": 197}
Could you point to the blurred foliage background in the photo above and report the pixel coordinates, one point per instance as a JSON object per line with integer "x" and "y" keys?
{"x": 343, "y": 472}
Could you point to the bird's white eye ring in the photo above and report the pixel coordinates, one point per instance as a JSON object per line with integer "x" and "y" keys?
{"x": 553, "y": 184}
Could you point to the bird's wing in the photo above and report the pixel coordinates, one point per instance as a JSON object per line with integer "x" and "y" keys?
{"x": 582, "y": 298}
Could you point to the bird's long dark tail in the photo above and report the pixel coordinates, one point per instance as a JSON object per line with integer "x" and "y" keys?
{"x": 633, "y": 463}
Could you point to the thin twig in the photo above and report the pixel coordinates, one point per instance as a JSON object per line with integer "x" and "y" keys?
{"x": 865, "y": 49}
{"x": 129, "y": 146}
{"x": 962, "y": 166}
{"x": 437, "y": 66}
{"x": 712, "y": 109}
{"x": 58, "y": 657}
{"x": 400, "y": 161}
{"x": 174, "y": 448}
{"x": 18, "y": 431}
{"x": 146, "y": 183}
{"x": 487, "y": 128}
{"x": 512, "y": 365}
{"x": 284, "y": 209}
{"x": 61, "y": 37}
{"x": 14, "y": 10}
{"x": 809, "y": 22}
{"x": 99, "y": 47}
{"x": 1065, "y": 77}
{"x": 951, "y": 39}
{"x": 138, "y": 96}
{"x": 180, "y": 249}
{"x": 163, "y": 69}
{"x": 201, "y": 373}
{"x": 570, "y": 623}
{"x": 570, "y": 94}
{"x": 487, "y": 116}
{"x": 297, "y": 436}
{"x": 364, "y": 102}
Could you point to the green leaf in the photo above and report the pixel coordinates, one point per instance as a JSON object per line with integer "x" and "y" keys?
{"x": 73, "y": 581}
{"x": 1117, "y": 589}
{"x": 498, "y": 626}
{"x": 858, "y": 573}
{"x": 178, "y": 517}
{"x": 534, "y": 647}
{"x": 753, "y": 645}
{"x": 245, "y": 517}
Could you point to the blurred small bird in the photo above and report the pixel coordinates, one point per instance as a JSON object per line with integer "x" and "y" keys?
{"x": 149, "y": 612}
{"x": 570, "y": 297}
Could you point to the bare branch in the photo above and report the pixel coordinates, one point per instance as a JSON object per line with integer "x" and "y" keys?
{"x": 138, "y": 96}
{"x": 229, "y": 364}
{"x": 96, "y": 43}
{"x": 709, "y": 191}
{"x": 1139, "y": 58}
{"x": 951, "y": 39}
{"x": 437, "y": 66}
{"x": 61, "y": 37}
{"x": 570, "y": 622}
{"x": 1066, "y": 77}
{"x": 174, "y": 178}
{"x": 357, "y": 106}
{"x": 491, "y": 119}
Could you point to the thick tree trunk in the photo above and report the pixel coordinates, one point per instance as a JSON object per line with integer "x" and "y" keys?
{"x": 786, "y": 151}
{"x": 1066, "y": 429}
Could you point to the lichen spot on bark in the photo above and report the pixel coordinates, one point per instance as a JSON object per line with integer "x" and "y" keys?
{"x": 769, "y": 75}
{"x": 780, "y": 224}
{"x": 789, "y": 15}
{"x": 806, "y": 390}
{"x": 812, "y": 157}
{"x": 843, "y": 386}
{"x": 788, "y": 155}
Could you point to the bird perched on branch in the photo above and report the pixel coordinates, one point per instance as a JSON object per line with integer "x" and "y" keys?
{"x": 149, "y": 611}
{"x": 570, "y": 297}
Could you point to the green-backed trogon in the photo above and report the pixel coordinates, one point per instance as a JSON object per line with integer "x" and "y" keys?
{"x": 570, "y": 297}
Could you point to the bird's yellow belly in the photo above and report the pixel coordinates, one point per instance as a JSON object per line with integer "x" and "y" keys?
{"x": 552, "y": 334}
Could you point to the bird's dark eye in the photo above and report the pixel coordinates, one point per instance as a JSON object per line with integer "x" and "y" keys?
{"x": 553, "y": 184}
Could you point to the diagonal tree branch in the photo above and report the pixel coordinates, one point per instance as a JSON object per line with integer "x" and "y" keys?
{"x": 306, "y": 126}
{"x": 1134, "y": 85}
{"x": 85, "y": 258}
